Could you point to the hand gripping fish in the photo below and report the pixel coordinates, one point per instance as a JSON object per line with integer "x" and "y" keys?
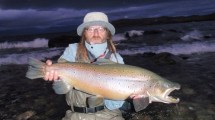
{"x": 111, "y": 81}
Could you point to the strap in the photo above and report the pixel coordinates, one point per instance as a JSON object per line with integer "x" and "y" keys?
{"x": 108, "y": 55}
{"x": 88, "y": 110}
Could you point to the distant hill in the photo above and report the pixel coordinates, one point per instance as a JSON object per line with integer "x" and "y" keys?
{"x": 162, "y": 20}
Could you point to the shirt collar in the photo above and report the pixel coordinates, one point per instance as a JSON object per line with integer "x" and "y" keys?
{"x": 96, "y": 49}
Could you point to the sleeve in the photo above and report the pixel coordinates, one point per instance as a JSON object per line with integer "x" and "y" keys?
{"x": 70, "y": 53}
{"x": 61, "y": 87}
{"x": 113, "y": 104}
{"x": 118, "y": 58}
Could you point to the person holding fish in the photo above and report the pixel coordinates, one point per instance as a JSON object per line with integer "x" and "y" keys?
{"x": 96, "y": 42}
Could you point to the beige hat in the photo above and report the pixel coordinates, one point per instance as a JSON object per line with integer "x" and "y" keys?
{"x": 95, "y": 18}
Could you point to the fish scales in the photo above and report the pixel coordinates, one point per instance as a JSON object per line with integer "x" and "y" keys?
{"x": 100, "y": 80}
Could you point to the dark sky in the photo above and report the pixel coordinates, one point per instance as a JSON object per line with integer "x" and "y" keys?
{"x": 27, "y": 16}
{"x": 76, "y": 4}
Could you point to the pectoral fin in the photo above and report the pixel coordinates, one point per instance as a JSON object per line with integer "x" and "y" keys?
{"x": 94, "y": 101}
{"x": 140, "y": 103}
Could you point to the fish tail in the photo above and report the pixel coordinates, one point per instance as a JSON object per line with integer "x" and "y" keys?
{"x": 35, "y": 69}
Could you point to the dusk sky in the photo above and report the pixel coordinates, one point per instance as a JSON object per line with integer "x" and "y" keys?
{"x": 38, "y": 16}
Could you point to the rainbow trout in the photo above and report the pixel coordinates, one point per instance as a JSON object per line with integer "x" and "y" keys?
{"x": 110, "y": 80}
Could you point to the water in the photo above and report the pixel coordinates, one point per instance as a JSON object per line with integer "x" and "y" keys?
{"x": 189, "y": 38}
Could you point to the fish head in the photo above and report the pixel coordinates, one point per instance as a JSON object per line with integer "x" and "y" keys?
{"x": 160, "y": 92}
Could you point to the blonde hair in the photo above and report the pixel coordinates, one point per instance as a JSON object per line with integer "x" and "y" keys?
{"x": 82, "y": 53}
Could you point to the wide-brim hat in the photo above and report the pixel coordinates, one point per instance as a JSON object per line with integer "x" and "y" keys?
{"x": 95, "y": 18}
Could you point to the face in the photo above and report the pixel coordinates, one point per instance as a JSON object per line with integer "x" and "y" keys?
{"x": 95, "y": 34}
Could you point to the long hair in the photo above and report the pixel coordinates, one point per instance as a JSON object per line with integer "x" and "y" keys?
{"x": 82, "y": 53}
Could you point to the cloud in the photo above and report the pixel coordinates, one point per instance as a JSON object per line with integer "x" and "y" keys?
{"x": 33, "y": 17}
{"x": 50, "y": 14}
{"x": 76, "y": 4}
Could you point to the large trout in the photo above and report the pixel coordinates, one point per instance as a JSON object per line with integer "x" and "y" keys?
{"x": 111, "y": 81}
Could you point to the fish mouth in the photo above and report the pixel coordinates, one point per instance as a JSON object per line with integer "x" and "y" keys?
{"x": 165, "y": 95}
{"x": 168, "y": 98}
